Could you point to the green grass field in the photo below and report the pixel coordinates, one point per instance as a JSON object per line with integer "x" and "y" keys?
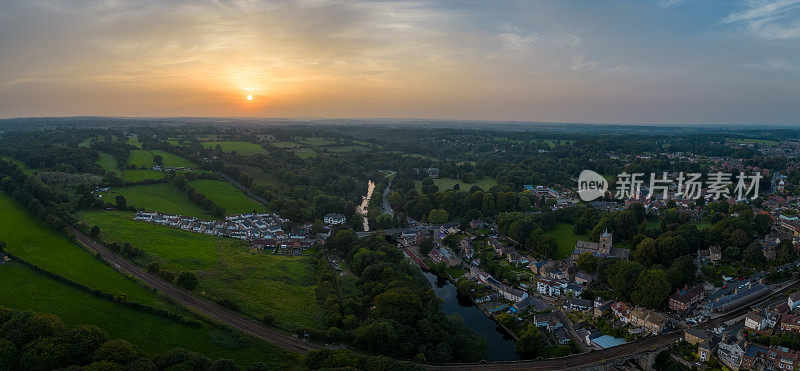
{"x": 316, "y": 141}
{"x": 284, "y": 144}
{"x": 140, "y": 175}
{"x": 141, "y": 158}
{"x": 25, "y": 289}
{"x": 305, "y": 152}
{"x": 35, "y": 242}
{"x": 162, "y": 197}
{"x": 19, "y": 163}
{"x": 343, "y": 149}
{"x": 762, "y": 142}
{"x": 241, "y": 148}
{"x": 260, "y": 283}
{"x": 134, "y": 141}
{"x": 108, "y": 162}
{"x": 172, "y": 160}
{"x": 448, "y": 183}
{"x": 226, "y": 196}
{"x": 566, "y": 239}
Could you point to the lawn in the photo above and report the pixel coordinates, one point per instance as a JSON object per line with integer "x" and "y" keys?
{"x": 19, "y": 163}
{"x": 342, "y": 149}
{"x": 226, "y": 196}
{"x": 172, "y": 160}
{"x": 108, "y": 162}
{"x": 141, "y": 158}
{"x": 566, "y": 239}
{"x": 284, "y": 144}
{"x": 161, "y": 197}
{"x": 134, "y": 141}
{"x": 448, "y": 183}
{"x": 316, "y": 142}
{"x": 140, "y": 175}
{"x": 25, "y": 289}
{"x": 260, "y": 283}
{"x": 305, "y": 152}
{"x": 241, "y": 148}
{"x": 35, "y": 242}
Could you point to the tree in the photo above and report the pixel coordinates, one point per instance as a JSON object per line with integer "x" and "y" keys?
{"x": 425, "y": 246}
{"x": 622, "y": 277}
{"x": 652, "y": 288}
{"x": 762, "y": 224}
{"x": 587, "y": 262}
{"x": 122, "y": 203}
{"x": 94, "y": 232}
{"x": 158, "y": 160}
{"x": 646, "y": 252}
{"x": 438, "y": 216}
{"x": 118, "y": 351}
{"x": 187, "y": 280}
{"x": 530, "y": 342}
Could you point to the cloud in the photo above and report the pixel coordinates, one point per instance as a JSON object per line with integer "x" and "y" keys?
{"x": 769, "y": 19}
{"x": 670, "y": 3}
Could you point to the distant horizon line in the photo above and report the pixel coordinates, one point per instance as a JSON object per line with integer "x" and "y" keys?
{"x": 397, "y": 119}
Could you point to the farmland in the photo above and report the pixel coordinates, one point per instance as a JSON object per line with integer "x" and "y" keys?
{"x": 26, "y": 289}
{"x": 259, "y": 283}
{"x": 448, "y": 183}
{"x": 241, "y": 148}
{"x": 172, "y": 160}
{"x": 162, "y": 197}
{"x": 226, "y": 196}
{"x": 141, "y": 158}
{"x": 35, "y": 242}
{"x": 108, "y": 162}
{"x": 139, "y": 175}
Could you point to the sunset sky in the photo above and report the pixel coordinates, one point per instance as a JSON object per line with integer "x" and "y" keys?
{"x": 667, "y": 61}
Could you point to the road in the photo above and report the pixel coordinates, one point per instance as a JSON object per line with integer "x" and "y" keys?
{"x": 191, "y": 301}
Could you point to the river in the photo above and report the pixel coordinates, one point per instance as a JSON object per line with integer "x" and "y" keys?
{"x": 501, "y": 345}
{"x": 362, "y": 209}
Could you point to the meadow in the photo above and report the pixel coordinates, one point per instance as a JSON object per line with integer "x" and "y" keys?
{"x": 260, "y": 283}
{"x": 139, "y": 175}
{"x": 172, "y": 160}
{"x": 566, "y": 239}
{"x": 25, "y": 289}
{"x": 134, "y": 141}
{"x": 316, "y": 141}
{"x": 448, "y": 183}
{"x": 141, "y": 158}
{"x": 226, "y": 196}
{"x": 241, "y": 148}
{"x": 284, "y": 144}
{"x": 37, "y": 243}
{"x": 108, "y": 162}
{"x": 305, "y": 152}
{"x": 161, "y": 197}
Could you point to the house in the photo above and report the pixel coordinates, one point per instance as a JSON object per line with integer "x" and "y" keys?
{"x": 466, "y": 248}
{"x": 790, "y": 322}
{"x": 476, "y": 224}
{"x": 573, "y": 289}
{"x": 622, "y": 311}
{"x": 582, "y": 278}
{"x": 650, "y": 320}
{"x": 478, "y": 274}
{"x": 515, "y": 258}
{"x": 533, "y": 303}
{"x": 794, "y": 300}
{"x": 601, "y": 306}
{"x": 578, "y": 304}
{"x": 715, "y": 253}
{"x": 695, "y": 336}
{"x": 753, "y": 356}
{"x": 781, "y": 358}
{"x": 754, "y": 321}
{"x": 547, "y": 320}
{"x": 680, "y": 301}
{"x": 730, "y": 351}
{"x": 510, "y": 293}
{"x": 706, "y": 349}
{"x": 334, "y": 219}
{"x": 550, "y": 287}
{"x": 561, "y": 336}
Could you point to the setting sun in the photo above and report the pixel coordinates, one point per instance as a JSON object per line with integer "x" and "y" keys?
{"x": 249, "y": 97}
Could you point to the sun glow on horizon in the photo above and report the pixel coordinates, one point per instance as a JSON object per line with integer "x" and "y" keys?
{"x": 250, "y": 97}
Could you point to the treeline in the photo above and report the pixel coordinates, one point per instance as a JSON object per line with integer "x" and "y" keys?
{"x": 119, "y": 298}
{"x": 31, "y": 341}
{"x": 196, "y": 197}
{"x": 47, "y": 204}
{"x": 389, "y": 309}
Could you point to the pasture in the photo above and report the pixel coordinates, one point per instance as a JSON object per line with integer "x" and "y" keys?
{"x": 448, "y": 183}
{"x": 226, "y": 196}
{"x": 37, "y": 243}
{"x": 260, "y": 283}
{"x": 25, "y": 289}
{"x": 241, "y": 148}
{"x": 161, "y": 197}
{"x": 108, "y": 162}
{"x": 141, "y": 158}
{"x": 173, "y": 160}
{"x": 140, "y": 175}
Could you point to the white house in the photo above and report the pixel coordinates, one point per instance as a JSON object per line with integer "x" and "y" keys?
{"x": 334, "y": 219}
{"x": 793, "y": 300}
{"x": 550, "y": 287}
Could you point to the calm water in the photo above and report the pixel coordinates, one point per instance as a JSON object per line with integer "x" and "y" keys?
{"x": 501, "y": 345}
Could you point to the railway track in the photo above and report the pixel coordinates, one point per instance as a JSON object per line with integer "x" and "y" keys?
{"x": 193, "y": 302}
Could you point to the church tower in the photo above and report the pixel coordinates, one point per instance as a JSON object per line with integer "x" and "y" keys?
{"x": 605, "y": 242}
